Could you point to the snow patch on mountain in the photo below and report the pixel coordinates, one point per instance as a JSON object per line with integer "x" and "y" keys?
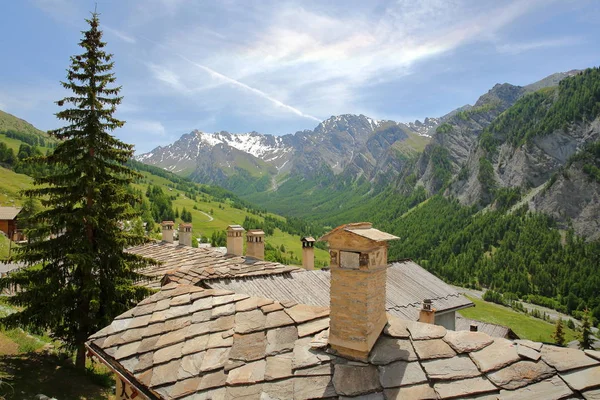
{"x": 425, "y": 128}
{"x": 258, "y": 145}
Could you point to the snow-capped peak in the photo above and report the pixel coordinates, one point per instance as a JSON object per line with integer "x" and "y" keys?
{"x": 253, "y": 143}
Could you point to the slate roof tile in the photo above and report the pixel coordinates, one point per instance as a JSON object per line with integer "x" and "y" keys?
{"x": 466, "y": 342}
{"x": 581, "y": 379}
{"x": 278, "y": 366}
{"x": 249, "y": 321}
{"x": 248, "y": 373}
{"x": 421, "y": 392}
{"x": 495, "y": 356}
{"x": 401, "y": 373}
{"x": 528, "y": 353}
{"x": 432, "y": 349}
{"x": 459, "y": 367}
{"x": 463, "y": 388}
{"x": 564, "y": 359}
{"x": 312, "y": 327}
{"x": 354, "y": 380}
{"x": 281, "y": 340}
{"x": 521, "y": 374}
{"x": 549, "y": 389}
{"x": 387, "y": 350}
{"x": 302, "y": 312}
{"x": 248, "y": 347}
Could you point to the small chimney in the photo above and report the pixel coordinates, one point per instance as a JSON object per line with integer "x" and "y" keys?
{"x": 473, "y": 328}
{"x": 308, "y": 253}
{"x": 358, "y": 281}
{"x": 167, "y": 231}
{"x": 255, "y": 244}
{"x": 427, "y": 313}
{"x": 185, "y": 235}
{"x": 235, "y": 240}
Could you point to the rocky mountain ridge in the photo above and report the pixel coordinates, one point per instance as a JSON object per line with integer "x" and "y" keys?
{"x": 340, "y": 142}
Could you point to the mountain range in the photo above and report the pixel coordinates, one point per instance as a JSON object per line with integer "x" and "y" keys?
{"x": 512, "y": 142}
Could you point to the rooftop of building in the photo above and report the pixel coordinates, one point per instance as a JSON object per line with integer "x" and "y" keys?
{"x": 189, "y": 265}
{"x": 189, "y": 342}
{"x": 494, "y": 330}
{"x": 408, "y": 284}
{"x": 9, "y": 213}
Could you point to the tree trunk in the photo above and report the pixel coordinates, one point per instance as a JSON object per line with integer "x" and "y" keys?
{"x": 80, "y": 357}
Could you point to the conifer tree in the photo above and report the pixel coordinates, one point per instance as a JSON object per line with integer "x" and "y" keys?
{"x": 559, "y": 333}
{"x": 82, "y": 278}
{"x": 585, "y": 340}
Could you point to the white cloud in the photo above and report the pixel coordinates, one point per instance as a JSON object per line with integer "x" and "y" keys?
{"x": 516, "y": 48}
{"x": 149, "y": 127}
{"x": 302, "y": 56}
{"x": 120, "y": 34}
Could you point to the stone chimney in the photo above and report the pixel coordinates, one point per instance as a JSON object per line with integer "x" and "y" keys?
{"x": 167, "y": 231}
{"x": 358, "y": 282}
{"x": 185, "y": 235}
{"x": 255, "y": 244}
{"x": 427, "y": 313}
{"x": 235, "y": 240}
{"x": 308, "y": 253}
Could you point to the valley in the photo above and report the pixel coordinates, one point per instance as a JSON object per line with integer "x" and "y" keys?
{"x": 503, "y": 194}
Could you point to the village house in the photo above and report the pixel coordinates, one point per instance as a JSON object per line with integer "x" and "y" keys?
{"x": 190, "y": 342}
{"x": 8, "y": 222}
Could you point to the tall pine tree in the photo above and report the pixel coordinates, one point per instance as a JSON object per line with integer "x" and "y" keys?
{"x": 81, "y": 277}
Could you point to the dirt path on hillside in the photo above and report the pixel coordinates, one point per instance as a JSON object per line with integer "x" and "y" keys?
{"x": 210, "y": 218}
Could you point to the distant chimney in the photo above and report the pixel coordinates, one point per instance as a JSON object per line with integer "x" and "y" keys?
{"x": 308, "y": 252}
{"x": 427, "y": 313}
{"x": 473, "y": 328}
{"x": 358, "y": 279}
{"x": 235, "y": 240}
{"x": 185, "y": 235}
{"x": 167, "y": 231}
{"x": 255, "y": 244}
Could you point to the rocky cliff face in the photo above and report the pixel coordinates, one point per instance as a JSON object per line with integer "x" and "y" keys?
{"x": 459, "y": 133}
{"x": 573, "y": 200}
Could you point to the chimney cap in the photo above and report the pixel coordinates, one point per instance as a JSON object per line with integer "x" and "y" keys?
{"x": 255, "y": 232}
{"x": 308, "y": 239}
{"x": 363, "y": 229}
{"x": 167, "y": 223}
{"x": 185, "y": 225}
{"x": 235, "y": 228}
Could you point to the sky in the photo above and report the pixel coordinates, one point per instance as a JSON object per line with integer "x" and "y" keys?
{"x": 277, "y": 66}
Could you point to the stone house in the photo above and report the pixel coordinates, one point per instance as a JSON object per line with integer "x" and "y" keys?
{"x": 189, "y": 342}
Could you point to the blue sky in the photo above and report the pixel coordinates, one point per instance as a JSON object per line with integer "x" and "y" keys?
{"x": 281, "y": 66}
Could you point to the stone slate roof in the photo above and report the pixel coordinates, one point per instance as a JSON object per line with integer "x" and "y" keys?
{"x": 186, "y": 342}
{"x": 408, "y": 284}
{"x": 188, "y": 265}
{"x": 9, "y": 213}
{"x": 464, "y": 324}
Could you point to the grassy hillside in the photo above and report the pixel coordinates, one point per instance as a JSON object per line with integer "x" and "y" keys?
{"x": 10, "y": 185}
{"x": 525, "y": 326}
{"x": 10, "y": 122}
{"x": 211, "y": 215}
